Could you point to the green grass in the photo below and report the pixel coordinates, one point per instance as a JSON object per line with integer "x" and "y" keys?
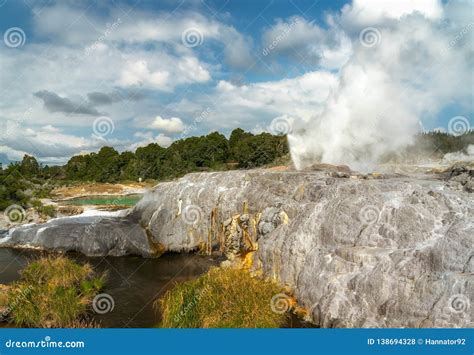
{"x": 222, "y": 298}
{"x": 53, "y": 292}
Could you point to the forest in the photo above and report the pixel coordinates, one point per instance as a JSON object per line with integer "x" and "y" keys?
{"x": 27, "y": 181}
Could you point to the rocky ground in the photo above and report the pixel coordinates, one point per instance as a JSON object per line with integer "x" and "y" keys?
{"x": 376, "y": 250}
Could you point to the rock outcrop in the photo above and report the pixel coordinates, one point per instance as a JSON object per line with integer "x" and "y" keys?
{"x": 90, "y": 235}
{"x": 358, "y": 251}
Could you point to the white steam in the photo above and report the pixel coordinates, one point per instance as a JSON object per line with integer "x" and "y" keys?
{"x": 468, "y": 155}
{"x": 408, "y": 68}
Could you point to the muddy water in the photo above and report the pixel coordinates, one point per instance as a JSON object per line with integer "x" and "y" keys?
{"x": 133, "y": 282}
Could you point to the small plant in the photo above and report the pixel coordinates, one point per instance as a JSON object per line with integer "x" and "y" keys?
{"x": 46, "y": 211}
{"x": 222, "y": 298}
{"x": 53, "y": 292}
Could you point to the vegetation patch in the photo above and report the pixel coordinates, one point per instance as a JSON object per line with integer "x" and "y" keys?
{"x": 222, "y": 298}
{"x": 53, "y": 292}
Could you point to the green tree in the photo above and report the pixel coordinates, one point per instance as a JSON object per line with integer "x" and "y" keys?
{"x": 29, "y": 166}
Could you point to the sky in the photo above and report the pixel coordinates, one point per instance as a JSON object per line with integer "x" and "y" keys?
{"x": 78, "y": 75}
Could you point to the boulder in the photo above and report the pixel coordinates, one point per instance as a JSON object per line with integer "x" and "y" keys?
{"x": 357, "y": 252}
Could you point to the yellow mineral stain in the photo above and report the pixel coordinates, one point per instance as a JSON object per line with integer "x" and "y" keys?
{"x": 284, "y": 217}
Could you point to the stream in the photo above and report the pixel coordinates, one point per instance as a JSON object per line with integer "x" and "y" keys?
{"x": 133, "y": 282}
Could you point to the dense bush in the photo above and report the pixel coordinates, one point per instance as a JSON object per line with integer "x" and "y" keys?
{"x": 211, "y": 152}
{"x": 25, "y": 182}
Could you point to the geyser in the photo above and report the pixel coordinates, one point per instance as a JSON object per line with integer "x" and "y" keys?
{"x": 404, "y": 69}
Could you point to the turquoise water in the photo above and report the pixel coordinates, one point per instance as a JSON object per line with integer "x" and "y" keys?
{"x": 124, "y": 200}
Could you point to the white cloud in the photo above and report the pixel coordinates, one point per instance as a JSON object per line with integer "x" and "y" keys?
{"x": 48, "y": 143}
{"x": 138, "y": 73}
{"x": 305, "y": 41}
{"x": 343, "y": 84}
{"x": 171, "y": 125}
{"x": 300, "y": 96}
{"x": 385, "y": 90}
{"x": 148, "y": 137}
{"x": 163, "y": 140}
{"x": 186, "y": 70}
{"x": 374, "y": 12}
{"x": 293, "y": 33}
{"x": 253, "y": 106}
{"x": 139, "y": 27}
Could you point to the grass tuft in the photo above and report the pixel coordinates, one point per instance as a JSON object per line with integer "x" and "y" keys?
{"x": 222, "y": 298}
{"x": 53, "y": 292}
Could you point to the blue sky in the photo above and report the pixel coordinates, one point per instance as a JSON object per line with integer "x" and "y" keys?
{"x": 77, "y": 75}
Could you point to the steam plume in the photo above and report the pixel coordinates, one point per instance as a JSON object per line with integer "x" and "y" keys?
{"x": 403, "y": 71}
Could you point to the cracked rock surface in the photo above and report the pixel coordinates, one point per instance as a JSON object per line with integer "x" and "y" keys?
{"x": 394, "y": 251}
{"x": 388, "y": 252}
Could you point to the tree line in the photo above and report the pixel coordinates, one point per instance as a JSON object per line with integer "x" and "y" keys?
{"x": 27, "y": 181}
{"x": 211, "y": 152}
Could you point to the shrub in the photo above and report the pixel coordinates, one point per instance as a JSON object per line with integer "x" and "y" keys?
{"x": 46, "y": 211}
{"x": 222, "y": 298}
{"x": 53, "y": 292}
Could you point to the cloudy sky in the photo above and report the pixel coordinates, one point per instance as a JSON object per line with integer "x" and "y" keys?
{"x": 77, "y": 75}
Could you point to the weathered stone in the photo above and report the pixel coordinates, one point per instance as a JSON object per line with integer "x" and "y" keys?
{"x": 391, "y": 252}
{"x": 91, "y": 236}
